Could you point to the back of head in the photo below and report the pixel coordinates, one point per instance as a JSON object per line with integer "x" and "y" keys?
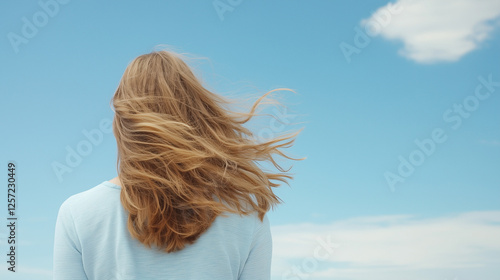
{"x": 183, "y": 158}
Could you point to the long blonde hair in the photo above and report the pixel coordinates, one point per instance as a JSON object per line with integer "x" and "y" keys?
{"x": 183, "y": 157}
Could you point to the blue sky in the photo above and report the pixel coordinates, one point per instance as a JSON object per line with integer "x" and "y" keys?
{"x": 371, "y": 79}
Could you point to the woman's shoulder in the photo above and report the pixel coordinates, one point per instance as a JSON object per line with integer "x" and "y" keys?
{"x": 242, "y": 224}
{"x": 99, "y": 196}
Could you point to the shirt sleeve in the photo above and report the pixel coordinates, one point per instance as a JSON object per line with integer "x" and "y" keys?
{"x": 68, "y": 263}
{"x": 258, "y": 264}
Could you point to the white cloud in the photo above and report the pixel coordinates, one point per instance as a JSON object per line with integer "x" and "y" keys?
{"x": 391, "y": 248}
{"x": 24, "y": 272}
{"x": 435, "y": 31}
{"x": 493, "y": 143}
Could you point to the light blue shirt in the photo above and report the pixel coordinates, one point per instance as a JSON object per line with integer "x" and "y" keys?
{"x": 92, "y": 242}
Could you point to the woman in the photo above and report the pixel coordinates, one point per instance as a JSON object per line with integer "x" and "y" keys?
{"x": 189, "y": 202}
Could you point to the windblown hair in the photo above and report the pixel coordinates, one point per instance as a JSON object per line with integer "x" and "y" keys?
{"x": 183, "y": 157}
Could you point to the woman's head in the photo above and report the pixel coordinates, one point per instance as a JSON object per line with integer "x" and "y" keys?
{"x": 183, "y": 157}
